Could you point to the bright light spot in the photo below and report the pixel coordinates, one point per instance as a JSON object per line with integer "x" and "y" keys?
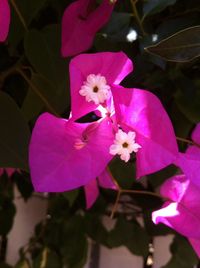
{"x": 132, "y": 35}
{"x": 154, "y": 37}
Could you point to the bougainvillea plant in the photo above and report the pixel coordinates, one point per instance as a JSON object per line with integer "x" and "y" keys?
{"x": 100, "y": 112}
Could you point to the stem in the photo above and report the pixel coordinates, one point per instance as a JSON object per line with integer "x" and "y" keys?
{"x": 137, "y": 17}
{"x": 124, "y": 191}
{"x": 113, "y": 179}
{"x": 37, "y": 91}
{"x": 19, "y": 14}
{"x": 141, "y": 192}
{"x": 188, "y": 141}
{"x": 116, "y": 204}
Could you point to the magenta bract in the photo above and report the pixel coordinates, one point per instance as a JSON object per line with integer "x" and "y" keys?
{"x": 4, "y": 19}
{"x": 81, "y": 20}
{"x": 65, "y": 155}
{"x": 182, "y": 210}
{"x": 189, "y": 162}
{"x": 141, "y": 111}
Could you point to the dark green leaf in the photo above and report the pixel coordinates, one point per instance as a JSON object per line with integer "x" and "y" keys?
{"x": 28, "y": 11}
{"x": 52, "y": 78}
{"x": 183, "y": 255}
{"x": 47, "y": 259}
{"x": 130, "y": 234}
{"x": 24, "y": 185}
{"x": 43, "y": 51}
{"x": 155, "y": 6}
{"x": 71, "y": 196}
{"x": 74, "y": 243}
{"x": 23, "y": 263}
{"x": 14, "y": 135}
{"x": 183, "y": 46}
{"x": 95, "y": 228}
{"x": 7, "y": 213}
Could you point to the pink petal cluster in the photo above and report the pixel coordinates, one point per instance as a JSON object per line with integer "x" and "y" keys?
{"x": 65, "y": 154}
{"x": 81, "y": 20}
{"x": 182, "y": 211}
{"x": 4, "y": 19}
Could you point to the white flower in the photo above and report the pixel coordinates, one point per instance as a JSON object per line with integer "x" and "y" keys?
{"x": 95, "y": 89}
{"x": 124, "y": 145}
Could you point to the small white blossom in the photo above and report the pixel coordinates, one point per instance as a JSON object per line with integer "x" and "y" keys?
{"x": 124, "y": 145}
{"x": 95, "y": 89}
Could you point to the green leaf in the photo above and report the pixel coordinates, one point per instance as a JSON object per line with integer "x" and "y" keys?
{"x": 24, "y": 185}
{"x": 74, "y": 243}
{"x": 183, "y": 255}
{"x": 7, "y": 213}
{"x": 28, "y": 11}
{"x": 32, "y": 105}
{"x": 23, "y": 263}
{"x": 123, "y": 172}
{"x": 95, "y": 228}
{"x": 183, "y": 46}
{"x": 131, "y": 235}
{"x": 47, "y": 259}
{"x": 52, "y": 78}
{"x": 118, "y": 26}
{"x": 71, "y": 196}
{"x": 48, "y": 63}
{"x": 156, "y": 6}
{"x": 14, "y": 135}
{"x": 4, "y": 265}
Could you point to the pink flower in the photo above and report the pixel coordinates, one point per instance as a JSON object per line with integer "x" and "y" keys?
{"x": 9, "y": 171}
{"x": 142, "y": 112}
{"x": 104, "y": 180}
{"x": 80, "y": 22}
{"x": 182, "y": 210}
{"x": 65, "y": 155}
{"x": 4, "y": 19}
{"x": 189, "y": 162}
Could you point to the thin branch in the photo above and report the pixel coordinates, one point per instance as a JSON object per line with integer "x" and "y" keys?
{"x": 188, "y": 141}
{"x": 137, "y": 17}
{"x": 123, "y": 191}
{"x": 116, "y": 204}
{"x": 19, "y": 14}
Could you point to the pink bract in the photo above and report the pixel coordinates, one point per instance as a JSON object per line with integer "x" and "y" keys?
{"x": 104, "y": 180}
{"x": 65, "y": 155}
{"x": 114, "y": 66}
{"x": 182, "y": 210}
{"x": 4, "y": 19}
{"x": 189, "y": 162}
{"x": 141, "y": 111}
{"x": 81, "y": 20}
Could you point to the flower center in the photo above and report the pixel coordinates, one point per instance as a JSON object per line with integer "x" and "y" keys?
{"x": 95, "y": 89}
{"x": 124, "y": 145}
